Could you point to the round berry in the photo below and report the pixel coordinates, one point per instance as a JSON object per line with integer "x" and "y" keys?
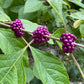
{"x": 65, "y": 41}
{"x": 38, "y": 34}
{"x": 67, "y": 44}
{"x": 68, "y": 40}
{"x": 15, "y": 26}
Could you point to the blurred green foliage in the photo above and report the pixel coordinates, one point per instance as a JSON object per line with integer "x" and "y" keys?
{"x": 39, "y": 12}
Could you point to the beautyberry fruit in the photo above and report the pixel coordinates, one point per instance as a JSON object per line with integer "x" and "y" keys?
{"x": 15, "y": 26}
{"x": 68, "y": 39}
{"x": 38, "y": 34}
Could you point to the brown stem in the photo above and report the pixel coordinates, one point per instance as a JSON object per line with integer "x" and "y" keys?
{"x": 65, "y": 27}
{"x": 27, "y": 42}
{"x": 44, "y": 35}
{"x": 4, "y": 24}
{"x": 24, "y": 40}
{"x": 80, "y": 45}
{"x": 25, "y": 30}
{"x": 77, "y": 65}
{"x": 52, "y": 37}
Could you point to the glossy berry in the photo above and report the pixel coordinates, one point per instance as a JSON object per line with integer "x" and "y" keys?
{"x": 38, "y": 34}
{"x": 68, "y": 39}
{"x": 15, "y": 26}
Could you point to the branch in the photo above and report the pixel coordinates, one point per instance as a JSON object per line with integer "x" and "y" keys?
{"x": 54, "y": 38}
{"x": 25, "y": 30}
{"x": 24, "y": 40}
{"x": 77, "y": 65}
{"x": 6, "y": 25}
{"x": 80, "y": 45}
{"x": 44, "y": 35}
{"x": 64, "y": 26}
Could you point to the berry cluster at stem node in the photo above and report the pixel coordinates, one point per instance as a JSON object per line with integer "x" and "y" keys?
{"x": 38, "y": 34}
{"x": 68, "y": 39}
{"x": 15, "y": 26}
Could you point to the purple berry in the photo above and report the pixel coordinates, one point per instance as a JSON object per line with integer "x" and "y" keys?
{"x": 65, "y": 41}
{"x": 15, "y": 26}
{"x": 38, "y": 34}
{"x": 69, "y": 47}
{"x": 68, "y": 40}
{"x": 64, "y": 37}
{"x": 68, "y": 37}
{"x": 61, "y": 39}
{"x": 63, "y": 34}
{"x": 67, "y": 44}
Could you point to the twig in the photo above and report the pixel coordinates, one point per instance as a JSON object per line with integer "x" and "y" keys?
{"x": 80, "y": 45}
{"x": 25, "y": 30}
{"x": 60, "y": 16}
{"x": 27, "y": 42}
{"x": 4, "y": 24}
{"x": 24, "y": 40}
{"x": 52, "y": 37}
{"x": 44, "y": 35}
{"x": 77, "y": 65}
{"x": 64, "y": 26}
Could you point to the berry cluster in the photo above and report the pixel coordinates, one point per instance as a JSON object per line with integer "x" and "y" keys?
{"x": 38, "y": 34}
{"x": 68, "y": 39}
{"x": 15, "y": 26}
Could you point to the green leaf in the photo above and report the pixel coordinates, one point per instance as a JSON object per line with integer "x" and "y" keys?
{"x": 77, "y": 2}
{"x": 58, "y": 34}
{"x": 3, "y": 16}
{"x": 7, "y": 62}
{"x": 81, "y": 28}
{"x": 78, "y": 15}
{"x": 21, "y": 76}
{"x": 15, "y": 9}
{"x": 51, "y": 70}
{"x": 27, "y": 16}
{"x": 77, "y": 23}
{"x": 30, "y": 26}
{"x": 32, "y": 6}
{"x": 11, "y": 77}
{"x": 50, "y": 41}
{"x": 17, "y": 3}
{"x": 6, "y": 3}
{"x": 57, "y": 6}
{"x": 8, "y": 42}
{"x": 35, "y": 72}
{"x": 57, "y": 19}
{"x": 29, "y": 74}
